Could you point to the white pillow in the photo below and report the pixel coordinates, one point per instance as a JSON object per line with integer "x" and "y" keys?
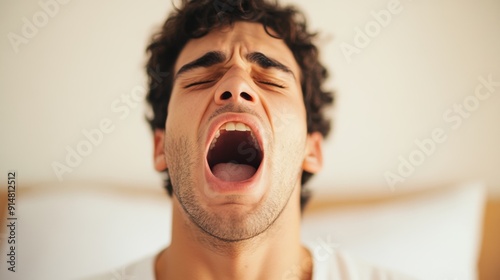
{"x": 436, "y": 236}
{"x": 72, "y": 230}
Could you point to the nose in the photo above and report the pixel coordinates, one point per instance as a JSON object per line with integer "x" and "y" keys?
{"x": 235, "y": 87}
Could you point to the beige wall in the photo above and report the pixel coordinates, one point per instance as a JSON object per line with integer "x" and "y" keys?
{"x": 73, "y": 71}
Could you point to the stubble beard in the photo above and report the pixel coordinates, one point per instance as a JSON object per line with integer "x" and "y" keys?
{"x": 229, "y": 226}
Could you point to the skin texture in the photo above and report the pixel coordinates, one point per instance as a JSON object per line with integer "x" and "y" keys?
{"x": 249, "y": 232}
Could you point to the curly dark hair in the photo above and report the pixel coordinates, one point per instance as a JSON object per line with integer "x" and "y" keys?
{"x": 196, "y": 18}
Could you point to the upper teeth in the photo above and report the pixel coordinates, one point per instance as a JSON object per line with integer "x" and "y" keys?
{"x": 231, "y": 126}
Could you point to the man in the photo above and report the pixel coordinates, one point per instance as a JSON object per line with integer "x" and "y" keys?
{"x": 238, "y": 126}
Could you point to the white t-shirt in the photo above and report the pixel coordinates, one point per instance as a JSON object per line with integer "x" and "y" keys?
{"x": 326, "y": 266}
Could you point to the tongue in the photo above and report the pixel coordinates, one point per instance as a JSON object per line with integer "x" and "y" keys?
{"x": 233, "y": 172}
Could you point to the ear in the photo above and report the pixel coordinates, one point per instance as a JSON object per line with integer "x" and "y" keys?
{"x": 313, "y": 161}
{"x": 160, "y": 159}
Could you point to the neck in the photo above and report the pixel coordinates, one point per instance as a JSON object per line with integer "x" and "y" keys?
{"x": 274, "y": 254}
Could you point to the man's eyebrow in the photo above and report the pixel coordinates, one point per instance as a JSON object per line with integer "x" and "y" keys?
{"x": 206, "y": 60}
{"x": 266, "y": 62}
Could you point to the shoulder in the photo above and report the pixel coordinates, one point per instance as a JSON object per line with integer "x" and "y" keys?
{"x": 334, "y": 264}
{"x": 142, "y": 269}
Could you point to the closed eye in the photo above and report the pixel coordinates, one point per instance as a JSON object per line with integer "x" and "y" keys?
{"x": 272, "y": 84}
{"x": 198, "y": 83}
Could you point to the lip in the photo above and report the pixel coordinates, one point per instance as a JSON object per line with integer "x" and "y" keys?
{"x": 224, "y": 187}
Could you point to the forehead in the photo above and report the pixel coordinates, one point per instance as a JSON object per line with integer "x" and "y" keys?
{"x": 240, "y": 39}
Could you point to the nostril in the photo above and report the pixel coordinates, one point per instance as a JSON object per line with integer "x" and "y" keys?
{"x": 246, "y": 96}
{"x": 226, "y": 95}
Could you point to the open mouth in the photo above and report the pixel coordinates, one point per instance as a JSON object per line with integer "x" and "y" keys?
{"x": 234, "y": 154}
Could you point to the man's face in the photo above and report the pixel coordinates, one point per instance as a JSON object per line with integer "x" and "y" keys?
{"x": 235, "y": 140}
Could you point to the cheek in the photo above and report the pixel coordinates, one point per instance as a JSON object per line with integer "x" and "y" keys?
{"x": 183, "y": 112}
{"x": 289, "y": 117}
{"x": 290, "y": 127}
